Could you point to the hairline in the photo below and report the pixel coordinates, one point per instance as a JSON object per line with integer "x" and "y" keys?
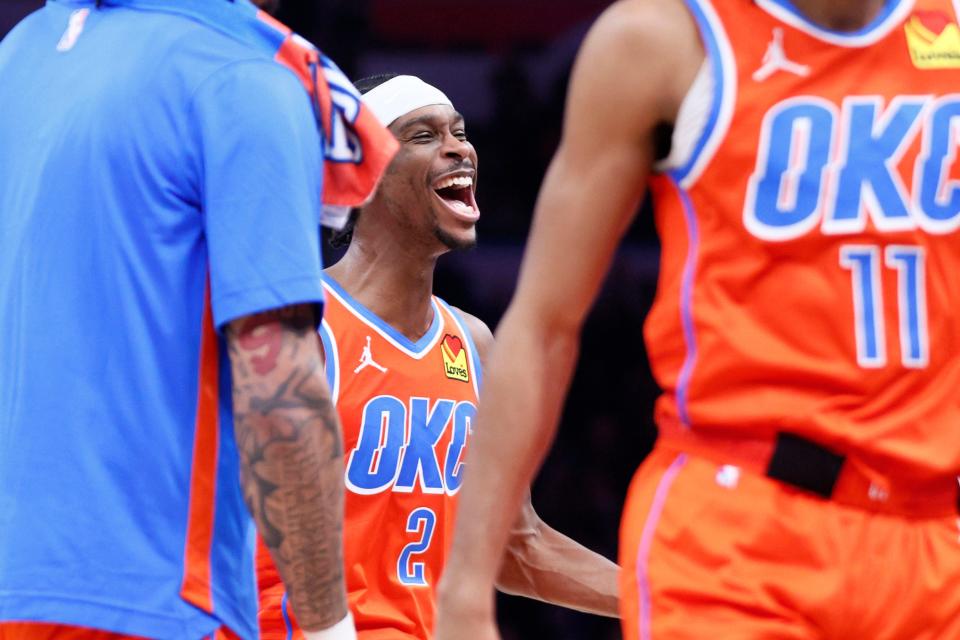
{"x": 425, "y": 118}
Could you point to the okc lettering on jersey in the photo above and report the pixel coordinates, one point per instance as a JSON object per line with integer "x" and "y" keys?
{"x": 820, "y": 165}
{"x": 389, "y": 456}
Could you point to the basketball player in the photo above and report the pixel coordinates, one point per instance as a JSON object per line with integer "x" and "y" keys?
{"x": 805, "y": 331}
{"x": 406, "y": 370}
{"x": 160, "y": 191}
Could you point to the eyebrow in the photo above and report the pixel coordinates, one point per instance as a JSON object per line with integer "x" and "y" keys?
{"x": 430, "y": 120}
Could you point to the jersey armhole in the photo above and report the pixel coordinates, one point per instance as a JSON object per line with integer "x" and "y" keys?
{"x": 691, "y": 120}
{"x": 708, "y": 106}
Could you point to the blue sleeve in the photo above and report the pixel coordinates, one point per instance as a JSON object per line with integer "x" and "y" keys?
{"x": 262, "y": 166}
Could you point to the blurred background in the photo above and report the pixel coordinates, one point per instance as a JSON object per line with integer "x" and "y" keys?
{"x": 505, "y": 65}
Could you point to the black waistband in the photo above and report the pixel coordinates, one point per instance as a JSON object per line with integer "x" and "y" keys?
{"x": 805, "y": 464}
{"x": 809, "y": 466}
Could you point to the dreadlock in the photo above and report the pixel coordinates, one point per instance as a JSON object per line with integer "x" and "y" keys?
{"x": 340, "y": 238}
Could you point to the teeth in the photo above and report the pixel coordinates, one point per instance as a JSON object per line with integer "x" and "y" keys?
{"x": 462, "y": 207}
{"x": 458, "y": 181}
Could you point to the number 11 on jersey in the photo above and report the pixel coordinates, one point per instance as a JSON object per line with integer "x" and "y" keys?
{"x": 863, "y": 261}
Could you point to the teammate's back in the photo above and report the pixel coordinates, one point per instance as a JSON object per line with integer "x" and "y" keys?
{"x": 804, "y": 330}
{"x": 807, "y": 239}
{"x": 124, "y": 240}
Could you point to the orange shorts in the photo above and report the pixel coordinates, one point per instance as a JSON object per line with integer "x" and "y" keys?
{"x": 712, "y": 550}
{"x": 52, "y": 631}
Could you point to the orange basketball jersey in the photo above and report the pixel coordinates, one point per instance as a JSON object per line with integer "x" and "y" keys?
{"x": 809, "y": 216}
{"x": 407, "y": 410}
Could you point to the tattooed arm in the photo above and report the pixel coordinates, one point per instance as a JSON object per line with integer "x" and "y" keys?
{"x": 290, "y": 447}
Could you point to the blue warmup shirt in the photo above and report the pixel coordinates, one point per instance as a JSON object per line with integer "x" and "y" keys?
{"x": 159, "y": 177}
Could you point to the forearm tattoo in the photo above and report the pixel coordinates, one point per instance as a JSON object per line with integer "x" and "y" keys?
{"x": 290, "y": 446}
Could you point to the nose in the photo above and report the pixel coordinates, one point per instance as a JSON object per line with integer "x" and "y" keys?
{"x": 454, "y": 147}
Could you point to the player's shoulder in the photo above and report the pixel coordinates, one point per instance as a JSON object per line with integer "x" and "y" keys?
{"x": 641, "y": 24}
{"x": 198, "y": 43}
{"x": 479, "y": 331}
{"x": 661, "y": 33}
{"x": 37, "y": 23}
{"x": 219, "y": 58}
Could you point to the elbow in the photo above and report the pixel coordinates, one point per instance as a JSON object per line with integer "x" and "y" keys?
{"x": 553, "y": 335}
{"x": 553, "y": 319}
{"x": 517, "y": 569}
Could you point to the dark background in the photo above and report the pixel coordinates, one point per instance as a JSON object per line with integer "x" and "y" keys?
{"x": 505, "y": 63}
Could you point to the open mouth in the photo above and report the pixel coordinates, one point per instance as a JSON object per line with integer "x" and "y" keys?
{"x": 456, "y": 193}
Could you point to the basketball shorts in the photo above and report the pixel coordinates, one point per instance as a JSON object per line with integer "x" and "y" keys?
{"x": 713, "y": 550}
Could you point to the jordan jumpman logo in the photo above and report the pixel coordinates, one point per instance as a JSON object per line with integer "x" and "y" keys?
{"x": 775, "y": 59}
{"x": 366, "y": 360}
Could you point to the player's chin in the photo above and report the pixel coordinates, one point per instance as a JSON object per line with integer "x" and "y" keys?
{"x": 456, "y": 237}
{"x": 455, "y": 230}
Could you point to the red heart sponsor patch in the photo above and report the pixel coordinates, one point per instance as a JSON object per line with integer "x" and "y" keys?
{"x": 934, "y": 21}
{"x": 453, "y": 343}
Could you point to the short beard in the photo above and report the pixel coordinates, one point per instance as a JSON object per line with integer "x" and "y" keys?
{"x": 451, "y": 242}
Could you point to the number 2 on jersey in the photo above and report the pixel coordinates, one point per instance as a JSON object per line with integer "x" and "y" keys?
{"x": 422, "y": 521}
{"x": 863, "y": 261}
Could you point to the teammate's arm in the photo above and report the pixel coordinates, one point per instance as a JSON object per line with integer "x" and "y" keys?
{"x": 290, "y": 447}
{"x": 635, "y": 66}
{"x": 540, "y": 562}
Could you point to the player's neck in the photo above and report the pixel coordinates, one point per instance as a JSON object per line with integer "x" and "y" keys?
{"x": 841, "y": 15}
{"x": 392, "y": 280}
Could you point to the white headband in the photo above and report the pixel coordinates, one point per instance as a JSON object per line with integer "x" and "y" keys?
{"x": 400, "y": 95}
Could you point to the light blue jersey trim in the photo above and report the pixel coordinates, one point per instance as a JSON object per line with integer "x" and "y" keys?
{"x": 331, "y": 359}
{"x": 417, "y": 348}
{"x": 723, "y": 72}
{"x": 893, "y": 12}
